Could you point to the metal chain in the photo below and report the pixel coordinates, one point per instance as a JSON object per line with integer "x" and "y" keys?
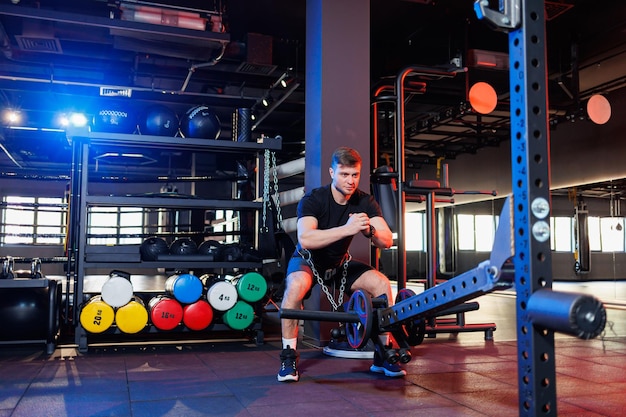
{"x": 279, "y": 214}
{"x": 266, "y": 188}
{"x": 306, "y": 255}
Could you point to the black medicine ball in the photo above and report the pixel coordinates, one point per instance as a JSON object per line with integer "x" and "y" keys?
{"x": 183, "y": 246}
{"x": 152, "y": 247}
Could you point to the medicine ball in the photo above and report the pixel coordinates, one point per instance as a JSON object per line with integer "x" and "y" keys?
{"x": 115, "y": 118}
{"x": 231, "y": 252}
{"x": 152, "y": 247}
{"x": 200, "y": 122}
{"x": 183, "y": 246}
{"x": 159, "y": 120}
{"x": 210, "y": 248}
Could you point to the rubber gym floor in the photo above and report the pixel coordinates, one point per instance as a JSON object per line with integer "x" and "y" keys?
{"x": 450, "y": 375}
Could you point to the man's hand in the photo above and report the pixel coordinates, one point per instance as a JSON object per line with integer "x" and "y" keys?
{"x": 359, "y": 222}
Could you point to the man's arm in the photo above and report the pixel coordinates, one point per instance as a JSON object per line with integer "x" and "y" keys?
{"x": 382, "y": 236}
{"x": 310, "y": 237}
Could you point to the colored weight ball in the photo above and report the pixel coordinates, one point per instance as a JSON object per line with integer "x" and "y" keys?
{"x": 200, "y": 122}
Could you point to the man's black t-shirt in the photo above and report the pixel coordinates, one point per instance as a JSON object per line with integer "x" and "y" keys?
{"x": 319, "y": 203}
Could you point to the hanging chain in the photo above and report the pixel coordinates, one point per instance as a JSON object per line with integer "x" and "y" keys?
{"x": 306, "y": 255}
{"x": 279, "y": 215}
{"x": 266, "y": 188}
{"x": 271, "y": 166}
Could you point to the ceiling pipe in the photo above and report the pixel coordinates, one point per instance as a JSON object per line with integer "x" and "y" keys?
{"x": 193, "y": 68}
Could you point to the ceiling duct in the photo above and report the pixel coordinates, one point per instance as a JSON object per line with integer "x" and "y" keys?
{"x": 39, "y": 44}
{"x": 259, "y": 50}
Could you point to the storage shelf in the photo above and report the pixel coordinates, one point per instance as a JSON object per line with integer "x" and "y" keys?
{"x": 90, "y": 258}
{"x": 24, "y": 283}
{"x": 176, "y": 265}
{"x": 172, "y": 143}
{"x": 169, "y": 202}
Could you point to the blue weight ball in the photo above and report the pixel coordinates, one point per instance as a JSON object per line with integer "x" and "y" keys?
{"x": 159, "y": 120}
{"x": 115, "y": 118}
{"x": 200, "y": 122}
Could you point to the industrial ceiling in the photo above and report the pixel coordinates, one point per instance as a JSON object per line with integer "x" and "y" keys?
{"x": 229, "y": 54}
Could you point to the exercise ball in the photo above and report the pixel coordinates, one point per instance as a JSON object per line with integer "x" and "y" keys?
{"x": 159, "y": 120}
{"x": 200, "y": 122}
{"x": 210, "y": 248}
{"x": 183, "y": 246}
{"x": 152, "y": 247}
{"x": 115, "y": 118}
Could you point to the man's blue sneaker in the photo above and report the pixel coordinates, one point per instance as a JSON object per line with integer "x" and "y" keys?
{"x": 381, "y": 366}
{"x": 288, "y": 365}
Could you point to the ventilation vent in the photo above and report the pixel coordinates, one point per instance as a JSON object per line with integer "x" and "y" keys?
{"x": 260, "y": 69}
{"x": 28, "y": 43}
{"x": 556, "y": 8}
{"x": 115, "y": 92}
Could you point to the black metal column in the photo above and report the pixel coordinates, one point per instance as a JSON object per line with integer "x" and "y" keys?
{"x": 530, "y": 144}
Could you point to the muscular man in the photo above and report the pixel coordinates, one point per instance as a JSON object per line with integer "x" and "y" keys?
{"x": 328, "y": 218}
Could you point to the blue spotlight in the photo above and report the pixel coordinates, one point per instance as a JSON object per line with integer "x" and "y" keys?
{"x": 73, "y": 120}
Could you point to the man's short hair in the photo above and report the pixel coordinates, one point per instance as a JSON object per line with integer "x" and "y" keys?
{"x": 345, "y": 156}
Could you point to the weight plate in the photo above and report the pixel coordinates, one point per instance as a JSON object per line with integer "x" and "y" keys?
{"x": 358, "y": 334}
{"x": 413, "y": 330}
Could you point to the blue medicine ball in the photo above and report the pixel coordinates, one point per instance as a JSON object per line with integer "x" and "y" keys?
{"x": 159, "y": 120}
{"x": 200, "y": 122}
{"x": 115, "y": 118}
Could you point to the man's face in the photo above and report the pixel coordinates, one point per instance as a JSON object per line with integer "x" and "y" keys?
{"x": 346, "y": 178}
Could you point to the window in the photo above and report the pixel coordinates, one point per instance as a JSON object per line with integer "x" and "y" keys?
{"x": 227, "y": 222}
{"x": 414, "y": 235}
{"x": 485, "y": 230}
{"x": 476, "y": 232}
{"x": 612, "y": 234}
{"x": 606, "y": 234}
{"x": 116, "y": 225}
{"x": 33, "y": 220}
{"x": 465, "y": 231}
{"x": 561, "y": 234}
{"x": 595, "y": 241}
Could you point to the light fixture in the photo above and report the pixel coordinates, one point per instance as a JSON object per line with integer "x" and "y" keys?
{"x": 599, "y": 109}
{"x": 282, "y": 81}
{"x": 73, "y": 119}
{"x": 266, "y": 100}
{"x": 12, "y": 117}
{"x": 483, "y": 97}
